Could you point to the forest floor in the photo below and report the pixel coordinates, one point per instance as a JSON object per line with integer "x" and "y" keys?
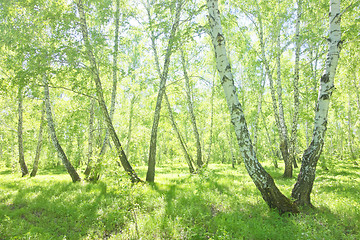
{"x": 219, "y": 203}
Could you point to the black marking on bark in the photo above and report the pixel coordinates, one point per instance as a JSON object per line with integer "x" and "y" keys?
{"x": 228, "y": 68}
{"x": 325, "y": 96}
{"x": 325, "y": 78}
{"x": 219, "y": 38}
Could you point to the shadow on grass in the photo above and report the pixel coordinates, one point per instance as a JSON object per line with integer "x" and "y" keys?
{"x": 55, "y": 210}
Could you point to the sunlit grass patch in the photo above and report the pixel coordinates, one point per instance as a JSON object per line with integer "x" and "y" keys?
{"x": 218, "y": 203}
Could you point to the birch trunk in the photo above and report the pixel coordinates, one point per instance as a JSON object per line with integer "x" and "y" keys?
{"x": 96, "y": 77}
{"x": 263, "y": 181}
{"x": 39, "y": 144}
{"x": 211, "y": 120}
{"x": 305, "y": 181}
{"x": 150, "y": 175}
{"x": 131, "y": 114}
{"x": 115, "y": 78}
{"x": 284, "y": 139}
{"x": 199, "y": 161}
{"x": 70, "y": 169}
{"x": 182, "y": 143}
{"x": 24, "y": 169}
{"x": 259, "y": 105}
{"x": 293, "y": 139}
{"x": 90, "y": 138}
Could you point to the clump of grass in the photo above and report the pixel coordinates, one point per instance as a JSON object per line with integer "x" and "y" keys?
{"x": 218, "y": 203}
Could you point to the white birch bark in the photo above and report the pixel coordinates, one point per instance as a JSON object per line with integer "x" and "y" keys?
{"x": 293, "y": 139}
{"x": 90, "y": 138}
{"x": 180, "y": 138}
{"x": 199, "y": 161}
{"x": 39, "y": 144}
{"x": 305, "y": 181}
{"x": 150, "y": 175}
{"x": 100, "y": 97}
{"x": 24, "y": 169}
{"x": 70, "y": 169}
{"x": 263, "y": 181}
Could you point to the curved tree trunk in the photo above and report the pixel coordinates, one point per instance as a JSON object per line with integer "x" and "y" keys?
{"x": 70, "y": 169}
{"x": 263, "y": 181}
{"x": 39, "y": 144}
{"x": 199, "y": 161}
{"x": 96, "y": 172}
{"x": 150, "y": 175}
{"x": 305, "y": 181}
{"x": 91, "y": 138}
{"x": 182, "y": 143}
{"x": 24, "y": 169}
{"x": 96, "y": 77}
{"x": 131, "y": 115}
{"x": 259, "y": 106}
{"x": 293, "y": 139}
{"x": 211, "y": 121}
{"x": 284, "y": 139}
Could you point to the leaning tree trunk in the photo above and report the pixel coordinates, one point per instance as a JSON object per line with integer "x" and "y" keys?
{"x": 131, "y": 115}
{"x": 263, "y": 181}
{"x": 95, "y": 174}
{"x": 211, "y": 121}
{"x": 96, "y": 77}
{"x": 70, "y": 169}
{"x": 284, "y": 139}
{"x": 293, "y": 139}
{"x": 90, "y": 138}
{"x": 259, "y": 106}
{"x": 150, "y": 175}
{"x": 199, "y": 161}
{"x": 278, "y": 113}
{"x": 24, "y": 169}
{"x": 39, "y": 144}
{"x": 305, "y": 181}
{"x": 182, "y": 143}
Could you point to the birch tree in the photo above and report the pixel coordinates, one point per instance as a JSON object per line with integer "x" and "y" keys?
{"x": 263, "y": 181}
{"x": 69, "y": 167}
{"x": 150, "y": 175}
{"x": 39, "y": 144}
{"x": 24, "y": 169}
{"x": 303, "y": 187}
{"x": 199, "y": 161}
{"x": 94, "y": 70}
{"x": 294, "y": 127}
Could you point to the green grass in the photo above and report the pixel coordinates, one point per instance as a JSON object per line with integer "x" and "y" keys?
{"x": 219, "y": 203}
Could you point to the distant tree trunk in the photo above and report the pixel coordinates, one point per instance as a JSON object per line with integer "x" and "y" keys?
{"x": 350, "y": 129}
{"x": 229, "y": 133}
{"x": 263, "y": 181}
{"x": 131, "y": 114}
{"x": 91, "y": 138}
{"x": 100, "y": 97}
{"x": 211, "y": 121}
{"x": 284, "y": 139}
{"x": 274, "y": 155}
{"x": 70, "y": 169}
{"x": 188, "y": 158}
{"x": 259, "y": 105}
{"x": 24, "y": 169}
{"x": 150, "y": 175}
{"x": 39, "y": 144}
{"x": 96, "y": 174}
{"x": 293, "y": 139}
{"x": 305, "y": 181}
{"x": 199, "y": 161}
{"x": 278, "y": 113}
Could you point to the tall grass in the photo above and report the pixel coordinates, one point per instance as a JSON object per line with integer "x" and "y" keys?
{"x": 218, "y": 203}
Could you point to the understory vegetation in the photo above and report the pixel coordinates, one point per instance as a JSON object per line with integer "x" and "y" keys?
{"x": 218, "y": 203}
